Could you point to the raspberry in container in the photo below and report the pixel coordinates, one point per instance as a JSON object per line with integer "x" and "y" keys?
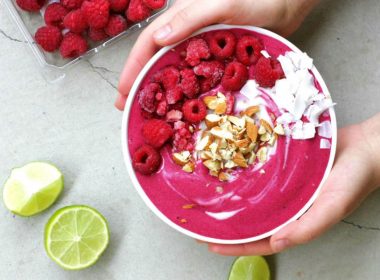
{"x": 62, "y": 33}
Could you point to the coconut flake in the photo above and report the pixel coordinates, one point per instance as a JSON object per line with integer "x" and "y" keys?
{"x": 317, "y": 108}
{"x": 300, "y": 60}
{"x": 325, "y": 144}
{"x": 265, "y": 54}
{"x": 285, "y": 118}
{"x": 325, "y": 130}
{"x": 287, "y": 65}
{"x": 303, "y": 130}
{"x": 250, "y": 89}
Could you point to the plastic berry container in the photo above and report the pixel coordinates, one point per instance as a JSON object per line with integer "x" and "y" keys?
{"x": 53, "y": 66}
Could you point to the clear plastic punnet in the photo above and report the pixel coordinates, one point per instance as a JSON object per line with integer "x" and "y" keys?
{"x": 53, "y": 66}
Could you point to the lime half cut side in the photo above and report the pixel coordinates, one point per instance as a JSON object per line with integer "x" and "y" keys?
{"x": 32, "y": 188}
{"x": 76, "y": 236}
{"x": 250, "y": 268}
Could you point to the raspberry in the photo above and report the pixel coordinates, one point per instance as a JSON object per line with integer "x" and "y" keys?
{"x": 154, "y": 4}
{"x": 194, "y": 110}
{"x": 146, "y": 115}
{"x": 156, "y": 132}
{"x": 116, "y": 25}
{"x": 97, "y": 35}
{"x": 230, "y": 100}
{"x": 54, "y": 15}
{"x": 174, "y": 116}
{"x": 251, "y": 72}
{"x": 73, "y": 45}
{"x": 147, "y": 96}
{"x": 222, "y": 44}
{"x": 75, "y": 21}
{"x": 48, "y": 37}
{"x": 210, "y": 72}
{"x": 196, "y": 51}
{"x": 96, "y": 12}
{"x": 162, "y": 108}
{"x": 137, "y": 11}
{"x": 248, "y": 50}
{"x": 30, "y": 5}
{"x": 174, "y": 95}
{"x": 267, "y": 71}
{"x": 159, "y": 96}
{"x": 183, "y": 137}
{"x": 235, "y": 76}
{"x": 72, "y": 4}
{"x": 119, "y": 6}
{"x": 146, "y": 160}
{"x": 168, "y": 77}
{"x": 189, "y": 83}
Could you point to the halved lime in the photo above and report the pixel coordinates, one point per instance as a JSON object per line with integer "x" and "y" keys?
{"x": 32, "y": 188}
{"x": 250, "y": 268}
{"x": 76, "y": 236}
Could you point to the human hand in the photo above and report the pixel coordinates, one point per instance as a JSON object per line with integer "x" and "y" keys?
{"x": 356, "y": 173}
{"x": 187, "y": 16}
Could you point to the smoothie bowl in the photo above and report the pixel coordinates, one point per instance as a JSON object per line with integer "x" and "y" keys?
{"x": 230, "y": 134}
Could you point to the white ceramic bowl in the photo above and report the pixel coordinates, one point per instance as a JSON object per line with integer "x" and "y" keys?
{"x": 128, "y": 160}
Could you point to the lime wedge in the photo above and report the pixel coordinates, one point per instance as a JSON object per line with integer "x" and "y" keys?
{"x": 32, "y": 188}
{"x": 250, "y": 268}
{"x": 76, "y": 236}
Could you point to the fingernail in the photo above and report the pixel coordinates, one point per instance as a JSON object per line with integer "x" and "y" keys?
{"x": 213, "y": 249}
{"x": 281, "y": 245}
{"x": 162, "y": 33}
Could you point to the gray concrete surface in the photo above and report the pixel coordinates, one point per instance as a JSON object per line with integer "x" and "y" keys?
{"x": 74, "y": 125}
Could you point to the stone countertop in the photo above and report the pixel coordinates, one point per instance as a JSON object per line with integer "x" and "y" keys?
{"x": 74, "y": 124}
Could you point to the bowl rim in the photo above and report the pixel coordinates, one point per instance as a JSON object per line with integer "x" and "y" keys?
{"x": 128, "y": 160}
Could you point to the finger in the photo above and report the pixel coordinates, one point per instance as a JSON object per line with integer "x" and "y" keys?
{"x": 190, "y": 19}
{"x": 143, "y": 50}
{"x": 342, "y": 192}
{"x": 120, "y": 102}
{"x": 261, "y": 247}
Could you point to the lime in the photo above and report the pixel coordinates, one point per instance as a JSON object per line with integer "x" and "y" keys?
{"x": 32, "y": 188}
{"x": 250, "y": 268}
{"x": 75, "y": 236}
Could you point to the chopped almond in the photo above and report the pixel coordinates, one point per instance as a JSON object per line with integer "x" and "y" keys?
{"x": 239, "y": 122}
{"x": 242, "y": 143}
{"x": 252, "y": 131}
{"x": 279, "y": 129}
{"x": 203, "y": 143}
{"x": 239, "y": 159}
{"x": 230, "y": 164}
{"x": 189, "y": 167}
{"x": 211, "y": 102}
{"x": 250, "y": 111}
{"x": 221, "y": 107}
{"x": 206, "y": 155}
{"x": 265, "y": 137}
{"x": 266, "y": 125}
{"x": 221, "y": 133}
{"x": 181, "y": 158}
{"x": 224, "y": 176}
{"x": 262, "y": 130}
{"x": 272, "y": 139}
{"x": 212, "y": 165}
{"x": 212, "y": 120}
{"x": 262, "y": 154}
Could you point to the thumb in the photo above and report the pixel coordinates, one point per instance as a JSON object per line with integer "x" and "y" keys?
{"x": 191, "y": 18}
{"x": 342, "y": 193}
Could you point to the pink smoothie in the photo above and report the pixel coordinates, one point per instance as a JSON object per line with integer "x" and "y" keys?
{"x": 257, "y": 200}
